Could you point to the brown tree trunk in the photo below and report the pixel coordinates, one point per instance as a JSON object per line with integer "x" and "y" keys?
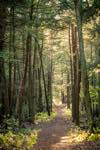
{"x": 14, "y": 54}
{"x": 34, "y": 78}
{"x": 68, "y": 90}
{"x": 40, "y": 96}
{"x": 71, "y": 70}
{"x": 74, "y": 72}
{"x": 22, "y": 85}
{"x": 10, "y": 66}
{"x": 76, "y": 76}
{"x": 44, "y": 80}
{"x": 4, "y": 109}
{"x": 40, "y": 103}
{"x": 84, "y": 76}
{"x": 50, "y": 84}
{"x": 78, "y": 79}
{"x": 30, "y": 77}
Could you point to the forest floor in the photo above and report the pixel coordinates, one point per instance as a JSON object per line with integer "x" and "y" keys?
{"x": 56, "y": 135}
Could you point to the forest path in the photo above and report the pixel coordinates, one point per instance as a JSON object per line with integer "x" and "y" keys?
{"x": 54, "y": 135}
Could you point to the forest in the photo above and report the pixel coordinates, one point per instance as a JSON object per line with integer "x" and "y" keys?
{"x": 49, "y": 74}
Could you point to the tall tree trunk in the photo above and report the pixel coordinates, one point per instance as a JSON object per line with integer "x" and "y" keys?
{"x": 78, "y": 79}
{"x": 40, "y": 97}
{"x": 45, "y": 88}
{"x": 71, "y": 70}
{"x": 50, "y": 84}
{"x": 68, "y": 90}
{"x": 97, "y": 53}
{"x": 44, "y": 80}
{"x": 22, "y": 85}
{"x": 10, "y": 66}
{"x": 14, "y": 53}
{"x": 34, "y": 78}
{"x": 4, "y": 105}
{"x": 74, "y": 72}
{"x": 30, "y": 77}
{"x": 40, "y": 103}
{"x": 84, "y": 76}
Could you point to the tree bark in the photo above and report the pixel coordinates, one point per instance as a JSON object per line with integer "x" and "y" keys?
{"x": 22, "y": 85}
{"x": 4, "y": 105}
{"x": 68, "y": 90}
{"x": 84, "y": 76}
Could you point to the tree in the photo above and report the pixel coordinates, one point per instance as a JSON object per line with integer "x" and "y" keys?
{"x": 84, "y": 76}
{"x": 4, "y": 106}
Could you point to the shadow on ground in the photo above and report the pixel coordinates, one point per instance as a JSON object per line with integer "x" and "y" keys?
{"x": 54, "y": 135}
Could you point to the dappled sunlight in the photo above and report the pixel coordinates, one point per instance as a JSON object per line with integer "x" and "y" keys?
{"x": 62, "y": 134}
{"x": 68, "y": 113}
{"x": 12, "y": 140}
{"x": 76, "y": 135}
{"x": 76, "y": 139}
{"x": 72, "y": 137}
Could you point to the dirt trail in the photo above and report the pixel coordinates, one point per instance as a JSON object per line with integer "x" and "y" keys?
{"x": 54, "y": 135}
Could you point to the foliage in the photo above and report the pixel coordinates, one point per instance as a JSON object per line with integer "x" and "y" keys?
{"x": 93, "y": 93}
{"x": 43, "y": 116}
{"x": 93, "y": 137}
{"x": 18, "y": 140}
{"x": 77, "y": 135}
{"x": 15, "y": 137}
{"x": 11, "y": 124}
{"x": 68, "y": 113}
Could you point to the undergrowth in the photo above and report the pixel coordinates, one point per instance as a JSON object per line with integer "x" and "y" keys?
{"x": 21, "y": 140}
{"x": 43, "y": 116}
{"x": 79, "y": 135}
{"x": 14, "y": 137}
{"x": 68, "y": 113}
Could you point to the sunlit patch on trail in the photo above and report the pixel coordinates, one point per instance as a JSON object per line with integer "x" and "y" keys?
{"x": 62, "y": 134}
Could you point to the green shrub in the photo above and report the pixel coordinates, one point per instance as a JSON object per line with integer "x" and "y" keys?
{"x": 43, "y": 116}
{"x": 93, "y": 137}
{"x": 94, "y": 94}
{"x": 11, "y": 123}
{"x": 18, "y": 140}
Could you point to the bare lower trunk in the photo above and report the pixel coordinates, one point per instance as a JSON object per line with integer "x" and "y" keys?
{"x": 4, "y": 106}
{"x": 76, "y": 76}
{"x": 84, "y": 76}
{"x": 22, "y": 85}
{"x": 50, "y": 84}
{"x": 68, "y": 90}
